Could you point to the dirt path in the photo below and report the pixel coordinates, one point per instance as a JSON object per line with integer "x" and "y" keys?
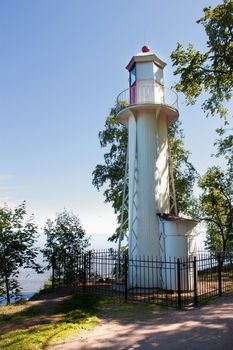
{"x": 35, "y": 312}
{"x": 209, "y": 327}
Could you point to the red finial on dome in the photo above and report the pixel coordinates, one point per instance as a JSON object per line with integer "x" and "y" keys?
{"x": 145, "y": 48}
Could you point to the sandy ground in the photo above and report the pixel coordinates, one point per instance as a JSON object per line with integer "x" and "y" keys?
{"x": 209, "y": 327}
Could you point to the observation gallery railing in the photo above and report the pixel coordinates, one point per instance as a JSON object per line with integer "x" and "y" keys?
{"x": 149, "y": 92}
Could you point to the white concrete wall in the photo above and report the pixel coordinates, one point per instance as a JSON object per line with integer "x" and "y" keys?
{"x": 148, "y": 230}
{"x": 148, "y": 190}
{"x": 179, "y": 243}
{"x": 183, "y": 233}
{"x": 162, "y": 169}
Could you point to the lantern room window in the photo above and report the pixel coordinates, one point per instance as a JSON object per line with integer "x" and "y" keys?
{"x": 132, "y": 76}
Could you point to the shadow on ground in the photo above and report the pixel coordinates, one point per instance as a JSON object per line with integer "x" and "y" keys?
{"x": 209, "y": 327}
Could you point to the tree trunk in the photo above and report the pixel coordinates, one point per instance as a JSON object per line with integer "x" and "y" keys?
{"x": 7, "y": 289}
{"x": 53, "y": 271}
{"x": 6, "y": 280}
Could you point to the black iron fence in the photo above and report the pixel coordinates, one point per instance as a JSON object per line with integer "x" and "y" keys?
{"x": 178, "y": 282}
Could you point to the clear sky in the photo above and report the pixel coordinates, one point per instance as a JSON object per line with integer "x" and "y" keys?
{"x": 62, "y": 64}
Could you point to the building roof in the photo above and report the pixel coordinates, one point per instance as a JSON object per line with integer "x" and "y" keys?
{"x": 145, "y": 57}
{"x": 174, "y": 218}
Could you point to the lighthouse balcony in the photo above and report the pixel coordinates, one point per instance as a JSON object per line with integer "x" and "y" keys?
{"x": 148, "y": 93}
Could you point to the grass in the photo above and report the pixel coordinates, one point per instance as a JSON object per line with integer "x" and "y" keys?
{"x": 126, "y": 311}
{"x": 73, "y": 314}
{"x": 37, "y": 324}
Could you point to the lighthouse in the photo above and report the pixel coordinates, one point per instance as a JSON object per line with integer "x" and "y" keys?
{"x": 151, "y": 109}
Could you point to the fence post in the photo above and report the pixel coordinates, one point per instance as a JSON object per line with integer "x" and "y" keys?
{"x": 178, "y": 284}
{"x": 195, "y": 281}
{"x": 126, "y": 276}
{"x": 219, "y": 275}
{"x": 84, "y": 273}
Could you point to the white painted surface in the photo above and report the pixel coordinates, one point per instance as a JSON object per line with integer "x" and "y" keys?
{"x": 158, "y": 74}
{"x": 145, "y": 71}
{"x": 179, "y": 236}
{"x": 133, "y": 195}
{"x": 148, "y": 171}
{"x": 147, "y": 122}
{"x": 148, "y": 187}
{"x": 149, "y": 91}
{"x": 179, "y": 242}
{"x": 149, "y": 83}
{"x": 148, "y": 180}
{"x": 148, "y": 232}
{"x": 162, "y": 171}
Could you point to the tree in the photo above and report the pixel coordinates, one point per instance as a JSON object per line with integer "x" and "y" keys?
{"x": 216, "y": 205}
{"x": 220, "y": 233}
{"x": 114, "y": 137}
{"x": 225, "y": 148}
{"x": 17, "y": 239}
{"x": 66, "y": 240}
{"x": 184, "y": 172}
{"x": 110, "y": 175}
{"x": 209, "y": 72}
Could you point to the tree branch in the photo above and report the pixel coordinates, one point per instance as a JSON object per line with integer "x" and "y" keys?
{"x": 215, "y": 71}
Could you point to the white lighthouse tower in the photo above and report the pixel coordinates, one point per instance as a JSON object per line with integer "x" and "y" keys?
{"x": 150, "y": 110}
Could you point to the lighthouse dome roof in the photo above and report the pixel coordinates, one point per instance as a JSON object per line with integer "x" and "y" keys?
{"x": 145, "y": 56}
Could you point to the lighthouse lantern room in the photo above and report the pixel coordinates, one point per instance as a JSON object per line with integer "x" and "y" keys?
{"x": 146, "y": 78}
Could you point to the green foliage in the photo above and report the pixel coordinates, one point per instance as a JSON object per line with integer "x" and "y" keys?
{"x": 114, "y": 138}
{"x": 66, "y": 239}
{"x": 225, "y": 149}
{"x": 17, "y": 239}
{"x": 216, "y": 205}
{"x": 110, "y": 175}
{"x": 210, "y": 72}
{"x": 183, "y": 171}
{"x": 131, "y": 311}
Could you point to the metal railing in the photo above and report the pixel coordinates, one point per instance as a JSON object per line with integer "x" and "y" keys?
{"x": 123, "y": 97}
{"x": 177, "y": 282}
{"x": 151, "y": 92}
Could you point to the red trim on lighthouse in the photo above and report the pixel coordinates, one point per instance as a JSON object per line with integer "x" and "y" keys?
{"x": 130, "y": 65}
{"x": 145, "y": 49}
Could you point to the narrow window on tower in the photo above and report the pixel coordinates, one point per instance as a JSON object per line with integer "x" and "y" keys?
{"x": 132, "y": 77}
{"x": 132, "y": 83}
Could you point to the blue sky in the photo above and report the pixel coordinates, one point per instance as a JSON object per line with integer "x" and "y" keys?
{"x": 62, "y": 65}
